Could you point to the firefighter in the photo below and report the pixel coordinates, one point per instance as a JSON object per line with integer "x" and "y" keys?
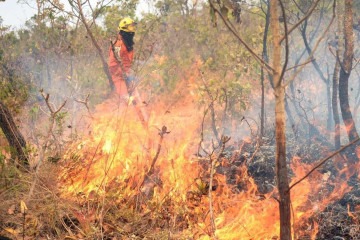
{"x": 121, "y": 56}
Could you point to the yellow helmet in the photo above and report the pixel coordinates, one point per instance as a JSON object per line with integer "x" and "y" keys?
{"x": 127, "y": 25}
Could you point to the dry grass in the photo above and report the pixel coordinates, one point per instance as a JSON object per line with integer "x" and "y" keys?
{"x": 48, "y": 216}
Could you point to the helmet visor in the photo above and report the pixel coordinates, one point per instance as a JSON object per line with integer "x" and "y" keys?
{"x": 131, "y": 27}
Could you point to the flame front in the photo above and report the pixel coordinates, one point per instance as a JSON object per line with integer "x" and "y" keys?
{"x": 119, "y": 152}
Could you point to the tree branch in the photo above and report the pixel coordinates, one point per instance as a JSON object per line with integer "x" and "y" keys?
{"x": 286, "y": 41}
{"x": 322, "y": 162}
{"x": 309, "y": 59}
{"x": 234, "y": 32}
{"x": 301, "y": 20}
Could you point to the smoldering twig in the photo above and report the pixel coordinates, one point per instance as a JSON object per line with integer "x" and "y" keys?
{"x": 162, "y": 133}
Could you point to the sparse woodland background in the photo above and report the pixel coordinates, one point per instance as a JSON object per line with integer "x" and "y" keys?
{"x": 272, "y": 87}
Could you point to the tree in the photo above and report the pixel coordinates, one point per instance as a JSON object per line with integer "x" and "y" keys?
{"x": 345, "y": 71}
{"x": 13, "y": 135}
{"x": 266, "y": 59}
{"x": 79, "y": 8}
{"x": 316, "y": 65}
{"x": 14, "y": 92}
{"x": 281, "y": 168}
{"x": 277, "y": 71}
{"x": 335, "y": 85}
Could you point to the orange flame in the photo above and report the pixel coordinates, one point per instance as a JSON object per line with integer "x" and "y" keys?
{"x": 120, "y": 151}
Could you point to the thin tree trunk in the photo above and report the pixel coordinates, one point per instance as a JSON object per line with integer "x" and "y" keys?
{"x": 281, "y": 167}
{"x": 345, "y": 72}
{"x": 329, "y": 122}
{"x": 13, "y": 135}
{"x": 266, "y": 59}
{"x": 262, "y": 111}
{"x": 98, "y": 48}
{"x": 318, "y": 70}
{"x": 335, "y": 104}
{"x": 335, "y": 101}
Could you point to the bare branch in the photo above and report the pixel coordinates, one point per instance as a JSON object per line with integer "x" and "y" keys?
{"x": 301, "y": 20}
{"x": 311, "y": 55}
{"x": 297, "y": 5}
{"x": 308, "y": 49}
{"x": 299, "y": 65}
{"x": 95, "y": 43}
{"x": 234, "y": 32}
{"x": 211, "y": 107}
{"x": 286, "y": 41}
{"x": 322, "y": 162}
{"x": 86, "y": 103}
{"x": 52, "y": 111}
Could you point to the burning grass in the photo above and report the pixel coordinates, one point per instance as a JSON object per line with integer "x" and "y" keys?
{"x": 124, "y": 181}
{"x": 175, "y": 196}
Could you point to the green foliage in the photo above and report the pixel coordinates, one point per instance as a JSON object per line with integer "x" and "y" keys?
{"x": 8, "y": 173}
{"x": 14, "y": 89}
{"x": 183, "y": 39}
{"x": 60, "y": 120}
{"x": 116, "y": 12}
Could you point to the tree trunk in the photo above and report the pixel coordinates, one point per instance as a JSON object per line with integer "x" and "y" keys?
{"x": 13, "y": 135}
{"x": 319, "y": 71}
{"x": 266, "y": 59}
{"x": 329, "y": 121}
{"x": 262, "y": 110}
{"x": 345, "y": 72}
{"x": 281, "y": 167}
{"x": 95, "y": 43}
{"x": 335, "y": 80}
{"x": 335, "y": 104}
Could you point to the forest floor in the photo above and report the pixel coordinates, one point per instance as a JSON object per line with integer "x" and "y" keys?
{"x": 41, "y": 212}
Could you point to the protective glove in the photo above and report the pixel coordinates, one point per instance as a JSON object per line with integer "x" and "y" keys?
{"x": 130, "y": 83}
{"x": 130, "y": 79}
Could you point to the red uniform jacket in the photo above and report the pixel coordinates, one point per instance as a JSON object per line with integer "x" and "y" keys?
{"x": 115, "y": 68}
